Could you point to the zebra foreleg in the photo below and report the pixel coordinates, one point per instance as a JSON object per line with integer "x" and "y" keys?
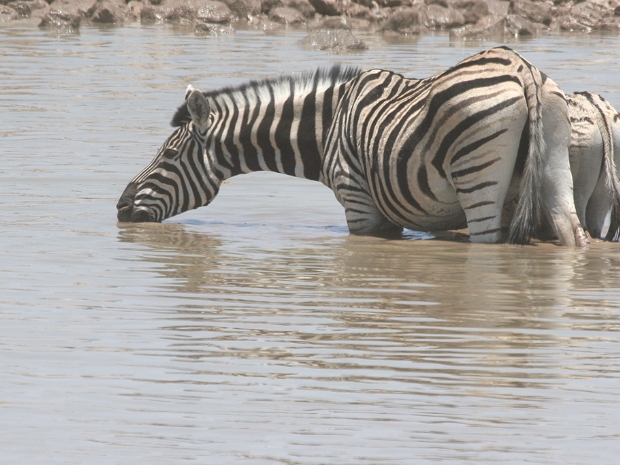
{"x": 364, "y": 219}
{"x": 353, "y": 193}
{"x": 363, "y": 216}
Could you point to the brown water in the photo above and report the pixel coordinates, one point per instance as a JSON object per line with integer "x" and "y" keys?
{"x": 256, "y": 331}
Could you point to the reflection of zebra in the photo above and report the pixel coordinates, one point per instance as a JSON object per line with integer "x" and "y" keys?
{"x": 594, "y": 155}
{"x": 422, "y": 154}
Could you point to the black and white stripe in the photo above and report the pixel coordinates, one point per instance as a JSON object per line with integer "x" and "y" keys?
{"x": 274, "y": 125}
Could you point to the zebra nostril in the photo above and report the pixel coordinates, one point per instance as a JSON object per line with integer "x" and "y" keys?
{"x": 124, "y": 213}
{"x": 140, "y": 216}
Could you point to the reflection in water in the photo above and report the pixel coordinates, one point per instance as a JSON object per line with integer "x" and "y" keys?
{"x": 415, "y": 311}
{"x": 419, "y": 340}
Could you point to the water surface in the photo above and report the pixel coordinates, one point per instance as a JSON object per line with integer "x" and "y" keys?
{"x": 256, "y": 331}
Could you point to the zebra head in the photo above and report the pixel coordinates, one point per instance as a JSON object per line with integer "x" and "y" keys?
{"x": 177, "y": 179}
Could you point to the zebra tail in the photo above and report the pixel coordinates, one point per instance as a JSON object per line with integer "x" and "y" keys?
{"x": 612, "y": 182}
{"x": 527, "y": 214}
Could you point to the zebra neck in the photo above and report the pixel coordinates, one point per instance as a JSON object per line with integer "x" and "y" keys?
{"x": 276, "y": 126}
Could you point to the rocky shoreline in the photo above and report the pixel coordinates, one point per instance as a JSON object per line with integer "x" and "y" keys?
{"x": 330, "y": 23}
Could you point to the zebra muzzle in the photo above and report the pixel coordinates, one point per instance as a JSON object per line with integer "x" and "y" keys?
{"x": 127, "y": 212}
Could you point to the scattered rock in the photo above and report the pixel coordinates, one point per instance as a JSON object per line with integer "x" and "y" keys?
{"x": 331, "y": 22}
{"x": 303, "y": 6}
{"x": 285, "y": 15}
{"x": 489, "y": 27}
{"x": 405, "y": 21}
{"x": 107, "y": 12}
{"x": 465, "y": 19}
{"x": 69, "y": 7}
{"x": 329, "y": 7}
{"x": 440, "y": 17}
{"x": 7, "y": 14}
{"x": 519, "y": 26}
{"x": 537, "y": 12}
{"x": 356, "y": 10}
{"x": 188, "y": 12}
{"x": 23, "y": 9}
{"x": 214, "y": 12}
{"x": 472, "y": 10}
{"x": 245, "y": 9}
{"x": 62, "y": 22}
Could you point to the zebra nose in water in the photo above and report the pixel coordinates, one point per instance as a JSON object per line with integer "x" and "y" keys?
{"x": 125, "y": 203}
{"x": 140, "y": 216}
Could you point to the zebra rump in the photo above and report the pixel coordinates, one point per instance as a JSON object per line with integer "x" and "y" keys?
{"x": 595, "y": 144}
{"x": 432, "y": 154}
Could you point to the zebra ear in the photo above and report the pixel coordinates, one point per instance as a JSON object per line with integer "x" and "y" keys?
{"x": 199, "y": 108}
{"x": 188, "y": 91}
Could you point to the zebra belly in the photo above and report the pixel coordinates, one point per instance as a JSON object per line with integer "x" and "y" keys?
{"x": 441, "y": 220}
{"x": 436, "y": 215}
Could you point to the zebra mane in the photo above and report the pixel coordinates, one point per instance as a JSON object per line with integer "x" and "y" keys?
{"x": 320, "y": 78}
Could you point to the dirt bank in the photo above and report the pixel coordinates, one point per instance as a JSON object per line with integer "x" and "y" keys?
{"x": 329, "y": 22}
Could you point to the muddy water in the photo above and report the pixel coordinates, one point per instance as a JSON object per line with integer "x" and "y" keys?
{"x": 256, "y": 331}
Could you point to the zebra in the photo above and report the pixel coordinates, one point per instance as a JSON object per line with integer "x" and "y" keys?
{"x": 425, "y": 154}
{"x": 594, "y": 155}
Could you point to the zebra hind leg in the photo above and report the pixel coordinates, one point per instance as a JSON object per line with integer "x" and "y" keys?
{"x": 483, "y": 205}
{"x": 483, "y": 179}
{"x": 556, "y": 178}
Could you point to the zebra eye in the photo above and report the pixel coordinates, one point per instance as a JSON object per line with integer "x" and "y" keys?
{"x": 170, "y": 153}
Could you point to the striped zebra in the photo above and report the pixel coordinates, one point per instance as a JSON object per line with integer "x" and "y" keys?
{"x": 430, "y": 154}
{"x": 594, "y": 156}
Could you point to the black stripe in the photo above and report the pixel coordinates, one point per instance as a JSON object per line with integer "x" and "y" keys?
{"x": 230, "y": 125}
{"x": 559, "y": 94}
{"x": 282, "y": 135}
{"x": 307, "y": 137}
{"x": 327, "y": 113}
{"x": 488, "y": 231}
{"x": 478, "y": 220}
{"x": 477, "y": 187}
{"x": 473, "y": 169}
{"x": 263, "y": 133}
{"x": 250, "y": 153}
{"x": 466, "y": 150}
{"x": 479, "y": 204}
{"x": 477, "y": 60}
{"x": 423, "y": 183}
